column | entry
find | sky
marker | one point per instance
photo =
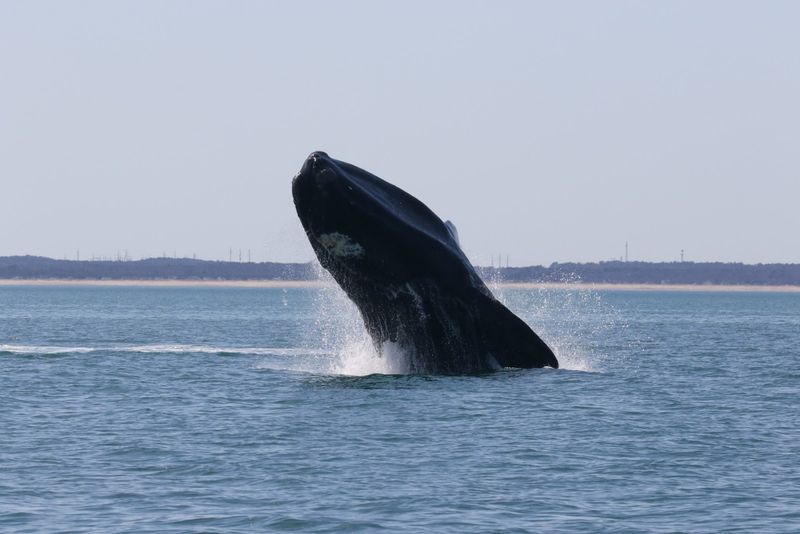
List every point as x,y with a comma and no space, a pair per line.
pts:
546,131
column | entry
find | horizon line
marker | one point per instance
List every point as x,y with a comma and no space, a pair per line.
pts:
127,259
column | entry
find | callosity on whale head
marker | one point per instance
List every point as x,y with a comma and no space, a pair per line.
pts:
403,268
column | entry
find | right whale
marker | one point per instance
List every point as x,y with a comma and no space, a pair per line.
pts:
403,268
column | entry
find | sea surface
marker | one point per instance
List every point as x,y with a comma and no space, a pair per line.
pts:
140,409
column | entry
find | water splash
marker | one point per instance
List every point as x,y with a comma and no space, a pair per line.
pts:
339,330
362,359
573,320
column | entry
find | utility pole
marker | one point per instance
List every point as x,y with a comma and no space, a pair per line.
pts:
626,252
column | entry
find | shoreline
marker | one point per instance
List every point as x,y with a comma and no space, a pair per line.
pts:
321,283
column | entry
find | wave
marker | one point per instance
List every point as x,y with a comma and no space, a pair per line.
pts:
163,348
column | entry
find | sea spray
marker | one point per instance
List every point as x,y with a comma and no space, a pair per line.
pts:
570,318
339,331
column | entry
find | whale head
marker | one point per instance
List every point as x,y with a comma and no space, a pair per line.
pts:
362,227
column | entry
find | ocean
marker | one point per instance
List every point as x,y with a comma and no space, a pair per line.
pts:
198,409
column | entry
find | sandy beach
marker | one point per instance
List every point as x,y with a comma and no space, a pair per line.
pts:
320,283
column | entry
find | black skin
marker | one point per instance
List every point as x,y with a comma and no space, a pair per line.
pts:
404,270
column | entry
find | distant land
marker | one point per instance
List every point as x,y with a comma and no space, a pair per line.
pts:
606,272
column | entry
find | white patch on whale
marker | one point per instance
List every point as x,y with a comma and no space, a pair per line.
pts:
340,245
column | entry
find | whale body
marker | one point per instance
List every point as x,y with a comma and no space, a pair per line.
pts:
405,271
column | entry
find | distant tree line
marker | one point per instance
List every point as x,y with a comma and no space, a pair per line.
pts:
35,267
609,272
639,272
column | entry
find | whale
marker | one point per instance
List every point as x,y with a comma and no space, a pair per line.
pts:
404,269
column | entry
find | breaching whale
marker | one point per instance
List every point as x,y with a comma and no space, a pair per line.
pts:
404,269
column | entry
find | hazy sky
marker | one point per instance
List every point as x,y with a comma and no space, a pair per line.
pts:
546,131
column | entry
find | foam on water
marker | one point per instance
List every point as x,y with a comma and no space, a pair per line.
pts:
44,349
159,348
361,359
204,349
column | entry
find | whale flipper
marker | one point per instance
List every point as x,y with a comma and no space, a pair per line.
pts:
511,341
453,231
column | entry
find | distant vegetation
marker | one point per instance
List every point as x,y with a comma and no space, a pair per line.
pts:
611,272
35,267
639,272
